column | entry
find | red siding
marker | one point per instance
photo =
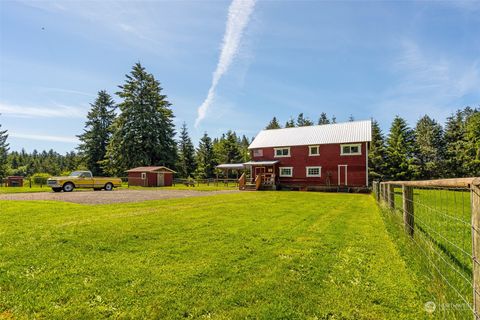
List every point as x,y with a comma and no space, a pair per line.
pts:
168,179
329,159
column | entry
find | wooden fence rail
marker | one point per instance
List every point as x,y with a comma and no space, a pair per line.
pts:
384,194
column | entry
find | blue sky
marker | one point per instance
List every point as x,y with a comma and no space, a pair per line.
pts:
369,59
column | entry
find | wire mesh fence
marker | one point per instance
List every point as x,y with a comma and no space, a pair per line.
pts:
441,221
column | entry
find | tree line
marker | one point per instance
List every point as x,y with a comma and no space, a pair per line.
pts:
138,131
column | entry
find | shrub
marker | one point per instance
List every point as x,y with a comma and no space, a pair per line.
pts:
40,178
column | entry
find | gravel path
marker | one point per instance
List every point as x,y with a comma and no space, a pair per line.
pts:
117,196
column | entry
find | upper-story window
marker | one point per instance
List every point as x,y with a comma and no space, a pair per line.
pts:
282,152
351,149
258,153
314,150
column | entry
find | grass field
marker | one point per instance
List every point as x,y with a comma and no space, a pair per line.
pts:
267,255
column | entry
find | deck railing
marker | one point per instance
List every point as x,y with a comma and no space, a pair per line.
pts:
442,220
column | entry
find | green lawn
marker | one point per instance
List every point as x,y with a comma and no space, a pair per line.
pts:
267,255
25,189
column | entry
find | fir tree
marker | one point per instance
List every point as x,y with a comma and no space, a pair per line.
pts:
323,119
273,124
302,121
290,123
144,131
3,152
244,143
334,119
186,154
429,148
351,118
376,154
205,158
459,157
473,143
97,132
399,152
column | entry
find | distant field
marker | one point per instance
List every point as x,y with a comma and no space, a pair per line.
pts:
266,255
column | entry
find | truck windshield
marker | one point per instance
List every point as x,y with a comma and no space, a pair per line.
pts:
79,174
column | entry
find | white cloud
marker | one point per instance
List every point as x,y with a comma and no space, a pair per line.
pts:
43,137
238,16
58,111
428,83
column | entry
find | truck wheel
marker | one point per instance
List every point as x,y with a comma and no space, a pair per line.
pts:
57,189
68,187
109,187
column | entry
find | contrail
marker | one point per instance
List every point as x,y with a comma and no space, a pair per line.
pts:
238,15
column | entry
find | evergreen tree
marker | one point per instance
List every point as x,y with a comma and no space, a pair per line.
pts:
244,143
205,158
376,154
334,119
3,153
473,143
143,133
323,119
290,123
97,132
429,148
460,152
227,149
351,118
273,124
186,154
302,121
399,152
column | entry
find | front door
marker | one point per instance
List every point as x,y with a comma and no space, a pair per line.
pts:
342,175
160,180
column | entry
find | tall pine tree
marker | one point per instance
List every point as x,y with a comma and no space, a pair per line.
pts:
376,154
205,158
97,132
323,119
302,121
473,143
290,123
3,153
273,124
186,165
399,152
144,131
429,148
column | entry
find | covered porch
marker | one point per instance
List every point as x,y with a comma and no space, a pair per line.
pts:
256,174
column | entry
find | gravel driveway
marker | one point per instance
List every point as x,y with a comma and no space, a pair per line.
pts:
117,196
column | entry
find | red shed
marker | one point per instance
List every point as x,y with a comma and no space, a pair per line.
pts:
15,181
150,176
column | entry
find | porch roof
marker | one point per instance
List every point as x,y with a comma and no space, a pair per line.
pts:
261,163
231,166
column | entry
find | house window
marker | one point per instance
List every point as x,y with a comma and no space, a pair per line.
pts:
144,176
286,171
258,153
314,171
313,151
282,152
350,149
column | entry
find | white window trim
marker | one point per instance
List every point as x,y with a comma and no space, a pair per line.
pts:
314,175
283,175
310,151
143,176
282,156
359,145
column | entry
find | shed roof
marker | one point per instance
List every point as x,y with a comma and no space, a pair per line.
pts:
261,163
151,169
345,132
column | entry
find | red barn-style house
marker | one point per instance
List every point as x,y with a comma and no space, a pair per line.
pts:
150,176
331,156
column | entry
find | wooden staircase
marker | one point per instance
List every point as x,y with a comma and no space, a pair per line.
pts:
260,182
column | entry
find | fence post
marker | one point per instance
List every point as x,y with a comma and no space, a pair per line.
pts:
408,210
391,196
475,200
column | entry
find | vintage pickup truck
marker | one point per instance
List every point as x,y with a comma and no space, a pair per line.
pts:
82,179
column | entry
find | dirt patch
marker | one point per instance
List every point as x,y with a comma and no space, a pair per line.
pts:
117,196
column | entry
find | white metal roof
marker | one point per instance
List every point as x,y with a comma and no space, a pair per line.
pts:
345,132
260,163
231,166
